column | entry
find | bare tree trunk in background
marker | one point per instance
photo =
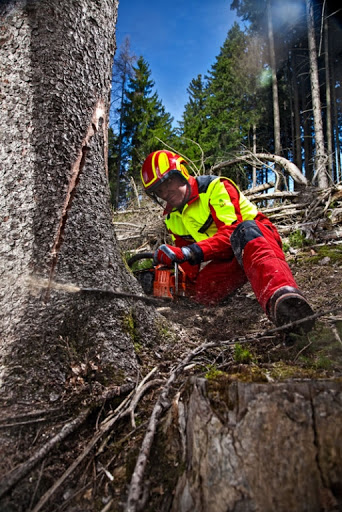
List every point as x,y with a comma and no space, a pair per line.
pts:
328,98
307,133
124,67
338,165
297,143
320,157
276,114
254,175
56,220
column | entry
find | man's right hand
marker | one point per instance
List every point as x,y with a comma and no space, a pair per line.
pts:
168,255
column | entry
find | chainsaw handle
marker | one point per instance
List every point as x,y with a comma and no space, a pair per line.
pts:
140,256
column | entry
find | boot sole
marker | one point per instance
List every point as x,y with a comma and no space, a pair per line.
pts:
291,308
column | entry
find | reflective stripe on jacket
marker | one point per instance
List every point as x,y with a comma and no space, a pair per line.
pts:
210,216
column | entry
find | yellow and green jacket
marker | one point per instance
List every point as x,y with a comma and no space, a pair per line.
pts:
212,212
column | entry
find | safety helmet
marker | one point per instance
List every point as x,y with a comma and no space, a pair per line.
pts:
159,166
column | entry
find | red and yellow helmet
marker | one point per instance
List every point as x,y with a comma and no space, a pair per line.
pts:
159,166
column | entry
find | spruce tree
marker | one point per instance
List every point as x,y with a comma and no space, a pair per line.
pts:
194,120
232,101
145,119
122,71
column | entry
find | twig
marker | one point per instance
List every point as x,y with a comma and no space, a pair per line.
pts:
19,423
135,500
140,390
302,350
107,507
37,484
336,333
130,411
31,414
18,473
79,459
105,426
302,320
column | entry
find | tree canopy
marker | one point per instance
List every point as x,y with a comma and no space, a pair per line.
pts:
259,95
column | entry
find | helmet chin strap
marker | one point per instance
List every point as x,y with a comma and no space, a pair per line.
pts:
156,199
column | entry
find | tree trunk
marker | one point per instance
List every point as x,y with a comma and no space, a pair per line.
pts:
55,210
246,446
307,129
297,143
328,99
338,164
254,173
321,157
276,114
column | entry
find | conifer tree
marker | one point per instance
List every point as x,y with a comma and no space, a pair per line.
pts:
145,119
194,120
122,71
231,106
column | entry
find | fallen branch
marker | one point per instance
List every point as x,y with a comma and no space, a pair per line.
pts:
258,188
253,158
275,195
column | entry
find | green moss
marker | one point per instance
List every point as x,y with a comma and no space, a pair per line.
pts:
286,247
326,251
299,240
164,330
129,326
137,347
213,372
242,355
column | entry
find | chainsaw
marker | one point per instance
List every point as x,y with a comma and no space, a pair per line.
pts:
159,280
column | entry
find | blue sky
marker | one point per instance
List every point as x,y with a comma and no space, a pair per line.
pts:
178,38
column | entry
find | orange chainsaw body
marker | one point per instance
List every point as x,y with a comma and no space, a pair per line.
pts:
160,281
165,285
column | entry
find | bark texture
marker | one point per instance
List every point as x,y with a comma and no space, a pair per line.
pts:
260,447
56,60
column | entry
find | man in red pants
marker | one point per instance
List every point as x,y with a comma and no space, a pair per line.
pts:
210,220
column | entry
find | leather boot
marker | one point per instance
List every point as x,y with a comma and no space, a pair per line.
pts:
288,305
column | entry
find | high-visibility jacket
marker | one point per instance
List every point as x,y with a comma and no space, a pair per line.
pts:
210,216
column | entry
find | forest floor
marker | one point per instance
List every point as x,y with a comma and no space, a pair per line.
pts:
246,349
240,319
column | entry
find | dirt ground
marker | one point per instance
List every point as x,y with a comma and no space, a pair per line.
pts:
240,318
249,351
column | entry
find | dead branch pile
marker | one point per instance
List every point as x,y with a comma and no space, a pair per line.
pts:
314,212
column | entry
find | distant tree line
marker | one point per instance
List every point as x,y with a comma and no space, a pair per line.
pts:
275,86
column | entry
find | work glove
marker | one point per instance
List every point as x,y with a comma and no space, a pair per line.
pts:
168,254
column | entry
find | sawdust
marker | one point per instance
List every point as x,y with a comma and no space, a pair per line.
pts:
36,284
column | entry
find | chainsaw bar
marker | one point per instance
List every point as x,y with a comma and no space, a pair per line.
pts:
118,294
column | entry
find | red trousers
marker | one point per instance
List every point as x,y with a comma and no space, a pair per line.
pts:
263,265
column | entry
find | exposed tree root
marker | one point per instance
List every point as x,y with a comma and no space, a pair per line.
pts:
126,408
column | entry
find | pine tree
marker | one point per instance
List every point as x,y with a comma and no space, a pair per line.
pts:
122,71
145,119
232,102
194,120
